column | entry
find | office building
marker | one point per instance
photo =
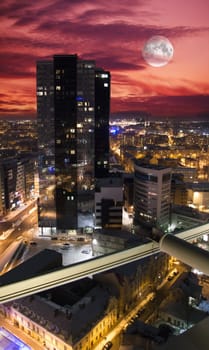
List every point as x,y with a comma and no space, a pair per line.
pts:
66,100
179,191
102,111
109,203
46,142
152,186
17,182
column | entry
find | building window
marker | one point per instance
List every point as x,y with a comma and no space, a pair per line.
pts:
104,76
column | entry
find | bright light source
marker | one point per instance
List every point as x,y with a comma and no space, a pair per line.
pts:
205,238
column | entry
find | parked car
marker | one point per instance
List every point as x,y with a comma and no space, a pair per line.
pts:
33,242
66,246
170,277
85,251
107,346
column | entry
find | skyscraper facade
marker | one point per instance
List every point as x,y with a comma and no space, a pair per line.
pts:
46,144
102,111
66,96
152,188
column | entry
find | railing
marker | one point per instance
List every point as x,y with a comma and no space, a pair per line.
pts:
80,270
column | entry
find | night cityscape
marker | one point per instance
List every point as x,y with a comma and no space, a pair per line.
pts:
104,175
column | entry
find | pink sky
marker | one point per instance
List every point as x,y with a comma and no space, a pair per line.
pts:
113,34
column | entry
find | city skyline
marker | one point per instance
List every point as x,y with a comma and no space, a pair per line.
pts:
113,36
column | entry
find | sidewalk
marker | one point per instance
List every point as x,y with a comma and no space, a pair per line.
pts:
118,328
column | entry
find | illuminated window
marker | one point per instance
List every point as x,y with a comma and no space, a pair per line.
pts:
104,76
89,66
106,85
58,88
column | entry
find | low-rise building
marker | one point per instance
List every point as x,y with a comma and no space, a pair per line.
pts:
112,240
71,317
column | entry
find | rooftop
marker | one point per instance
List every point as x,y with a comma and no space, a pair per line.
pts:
70,321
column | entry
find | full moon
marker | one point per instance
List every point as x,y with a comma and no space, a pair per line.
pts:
158,51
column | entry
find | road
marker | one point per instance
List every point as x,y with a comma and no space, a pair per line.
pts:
13,255
125,320
144,310
23,223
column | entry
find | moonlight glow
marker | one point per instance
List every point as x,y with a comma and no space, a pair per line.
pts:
157,51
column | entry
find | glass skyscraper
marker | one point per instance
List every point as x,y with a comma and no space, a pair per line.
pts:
69,97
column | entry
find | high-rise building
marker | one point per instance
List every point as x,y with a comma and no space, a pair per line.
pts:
17,182
46,144
152,187
102,111
67,93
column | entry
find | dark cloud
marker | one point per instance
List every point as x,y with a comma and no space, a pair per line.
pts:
116,60
165,105
14,8
18,65
112,34
118,32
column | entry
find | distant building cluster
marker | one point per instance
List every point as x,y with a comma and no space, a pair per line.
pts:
18,164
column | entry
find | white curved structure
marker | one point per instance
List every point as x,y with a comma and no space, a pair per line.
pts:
172,245
186,252
22,288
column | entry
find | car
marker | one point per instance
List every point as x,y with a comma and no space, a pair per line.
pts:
85,251
66,246
33,242
170,277
107,346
